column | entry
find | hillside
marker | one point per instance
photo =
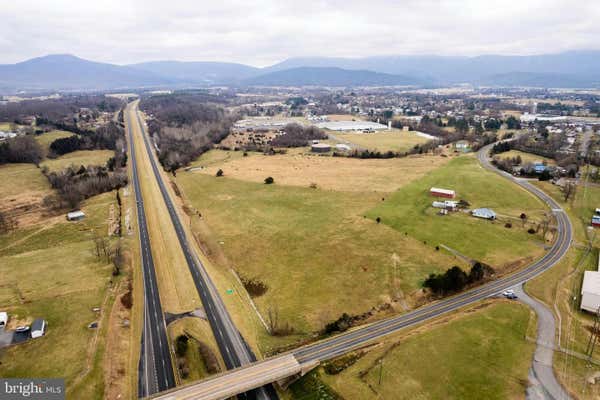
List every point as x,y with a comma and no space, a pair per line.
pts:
199,72
550,69
330,76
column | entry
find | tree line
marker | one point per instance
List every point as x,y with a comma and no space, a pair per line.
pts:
184,126
21,149
296,135
77,184
455,279
61,109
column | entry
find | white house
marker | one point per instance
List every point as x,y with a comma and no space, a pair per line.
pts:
590,290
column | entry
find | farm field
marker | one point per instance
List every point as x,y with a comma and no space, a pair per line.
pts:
526,157
50,271
478,353
47,138
78,158
331,173
291,237
409,210
396,140
22,190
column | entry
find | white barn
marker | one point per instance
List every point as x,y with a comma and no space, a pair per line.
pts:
590,290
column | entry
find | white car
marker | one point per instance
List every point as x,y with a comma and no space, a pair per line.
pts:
508,293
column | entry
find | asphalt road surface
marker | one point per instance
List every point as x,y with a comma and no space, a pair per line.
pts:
333,347
232,347
346,342
155,367
543,373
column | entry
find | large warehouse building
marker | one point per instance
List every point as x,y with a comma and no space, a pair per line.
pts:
341,126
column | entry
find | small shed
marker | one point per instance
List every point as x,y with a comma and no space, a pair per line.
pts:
439,192
320,148
38,328
75,215
3,319
484,213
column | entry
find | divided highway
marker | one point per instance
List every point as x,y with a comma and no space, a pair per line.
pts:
310,355
155,367
234,350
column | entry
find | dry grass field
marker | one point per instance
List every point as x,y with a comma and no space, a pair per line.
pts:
395,140
478,353
51,272
47,138
330,173
315,250
78,158
22,189
526,157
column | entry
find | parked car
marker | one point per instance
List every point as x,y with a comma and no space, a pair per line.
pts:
22,329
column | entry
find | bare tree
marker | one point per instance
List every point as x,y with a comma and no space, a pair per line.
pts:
569,190
118,259
273,318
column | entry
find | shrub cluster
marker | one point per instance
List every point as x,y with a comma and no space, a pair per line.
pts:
455,279
297,135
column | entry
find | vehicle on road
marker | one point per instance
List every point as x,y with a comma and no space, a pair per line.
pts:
508,292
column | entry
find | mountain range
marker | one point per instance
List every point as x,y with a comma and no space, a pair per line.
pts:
67,72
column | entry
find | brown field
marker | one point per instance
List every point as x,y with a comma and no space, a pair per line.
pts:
334,173
22,189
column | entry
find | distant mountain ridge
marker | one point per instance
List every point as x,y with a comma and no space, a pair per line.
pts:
581,67
199,71
330,76
67,72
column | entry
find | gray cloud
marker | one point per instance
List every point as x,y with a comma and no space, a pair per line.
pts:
266,31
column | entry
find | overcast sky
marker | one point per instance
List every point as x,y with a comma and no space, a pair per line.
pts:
262,32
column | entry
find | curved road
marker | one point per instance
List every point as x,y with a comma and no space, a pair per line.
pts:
326,349
343,343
